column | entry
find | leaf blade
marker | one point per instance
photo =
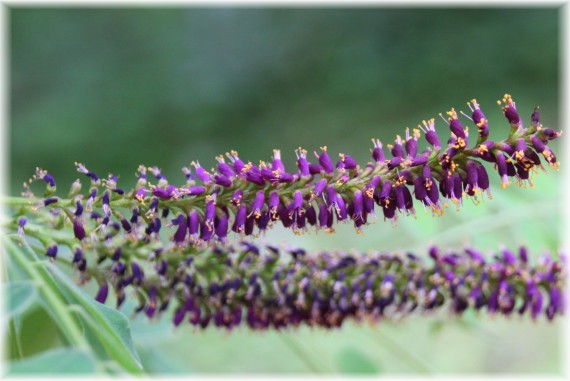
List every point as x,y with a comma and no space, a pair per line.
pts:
55,361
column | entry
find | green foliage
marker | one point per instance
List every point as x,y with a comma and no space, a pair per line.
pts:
77,314
21,296
352,360
55,361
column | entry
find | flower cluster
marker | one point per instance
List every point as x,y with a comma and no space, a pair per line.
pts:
119,237
265,286
246,198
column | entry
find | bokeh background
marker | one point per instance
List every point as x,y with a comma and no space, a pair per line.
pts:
115,88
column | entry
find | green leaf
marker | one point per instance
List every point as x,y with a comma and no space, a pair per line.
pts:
24,257
56,361
352,360
157,362
21,296
111,326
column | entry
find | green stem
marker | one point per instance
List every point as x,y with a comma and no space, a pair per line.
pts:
15,341
65,320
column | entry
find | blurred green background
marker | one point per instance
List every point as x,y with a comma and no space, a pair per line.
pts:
115,88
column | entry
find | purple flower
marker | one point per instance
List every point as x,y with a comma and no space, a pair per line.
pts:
51,251
325,160
78,229
510,111
224,168
101,296
22,221
302,162
201,173
479,119
81,169
50,200
430,134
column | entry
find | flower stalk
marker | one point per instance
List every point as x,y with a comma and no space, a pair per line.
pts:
171,244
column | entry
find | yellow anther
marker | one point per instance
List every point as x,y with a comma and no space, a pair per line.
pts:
417,133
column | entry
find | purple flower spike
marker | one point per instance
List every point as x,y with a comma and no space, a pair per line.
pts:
247,197
102,293
325,289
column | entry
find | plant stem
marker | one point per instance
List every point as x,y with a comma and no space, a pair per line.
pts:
65,320
15,342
